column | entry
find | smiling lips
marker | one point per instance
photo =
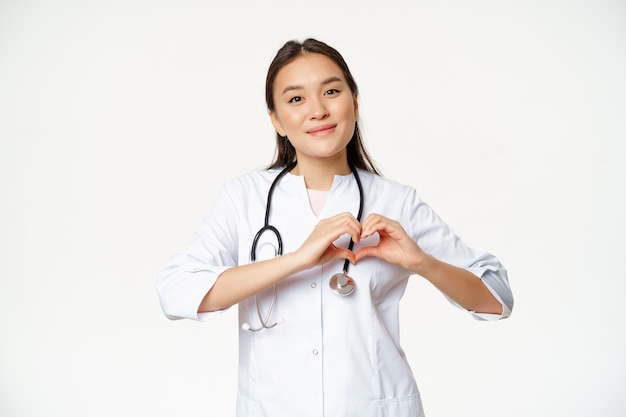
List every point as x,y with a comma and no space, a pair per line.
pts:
322,130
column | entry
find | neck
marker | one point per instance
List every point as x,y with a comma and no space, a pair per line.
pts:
320,174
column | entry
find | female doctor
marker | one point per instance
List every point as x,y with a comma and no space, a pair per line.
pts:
316,251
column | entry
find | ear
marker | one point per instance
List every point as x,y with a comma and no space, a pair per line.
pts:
277,124
356,106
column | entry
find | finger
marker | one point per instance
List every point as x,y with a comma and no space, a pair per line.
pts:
365,252
343,253
346,223
382,225
353,228
374,223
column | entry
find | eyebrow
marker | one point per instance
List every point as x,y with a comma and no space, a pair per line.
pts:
299,87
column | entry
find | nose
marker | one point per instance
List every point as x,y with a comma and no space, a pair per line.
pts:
318,109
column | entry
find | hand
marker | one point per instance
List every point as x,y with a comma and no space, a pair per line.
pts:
318,248
394,246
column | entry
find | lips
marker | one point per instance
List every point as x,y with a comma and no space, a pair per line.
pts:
322,129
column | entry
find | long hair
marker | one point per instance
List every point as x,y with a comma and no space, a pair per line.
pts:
285,152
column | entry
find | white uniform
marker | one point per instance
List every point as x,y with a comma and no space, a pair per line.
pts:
333,356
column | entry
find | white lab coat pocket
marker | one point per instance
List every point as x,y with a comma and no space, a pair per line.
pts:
409,406
249,408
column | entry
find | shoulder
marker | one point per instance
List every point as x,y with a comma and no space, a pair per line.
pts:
378,184
244,188
251,180
390,198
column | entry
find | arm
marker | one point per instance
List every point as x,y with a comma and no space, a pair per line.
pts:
395,246
465,288
240,282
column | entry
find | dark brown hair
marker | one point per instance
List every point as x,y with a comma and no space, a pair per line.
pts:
285,152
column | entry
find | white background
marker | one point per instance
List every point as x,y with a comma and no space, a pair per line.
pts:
119,120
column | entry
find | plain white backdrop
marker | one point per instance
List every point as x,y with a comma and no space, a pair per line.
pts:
119,121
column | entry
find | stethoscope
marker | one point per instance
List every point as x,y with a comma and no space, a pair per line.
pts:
341,283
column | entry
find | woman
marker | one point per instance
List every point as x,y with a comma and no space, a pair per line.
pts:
304,350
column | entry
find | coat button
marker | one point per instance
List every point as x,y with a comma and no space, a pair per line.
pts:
315,352
314,284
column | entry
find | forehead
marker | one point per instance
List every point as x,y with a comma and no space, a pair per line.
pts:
309,69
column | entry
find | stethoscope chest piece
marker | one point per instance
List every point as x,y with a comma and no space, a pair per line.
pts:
342,284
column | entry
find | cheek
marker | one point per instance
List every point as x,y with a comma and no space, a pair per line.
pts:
347,110
290,119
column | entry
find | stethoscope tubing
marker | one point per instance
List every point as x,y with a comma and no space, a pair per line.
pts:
346,264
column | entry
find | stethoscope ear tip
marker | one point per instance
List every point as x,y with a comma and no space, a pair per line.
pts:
245,326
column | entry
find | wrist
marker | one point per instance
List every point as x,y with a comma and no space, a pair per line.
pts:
293,262
425,265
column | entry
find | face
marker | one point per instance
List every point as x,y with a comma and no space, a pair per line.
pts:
314,108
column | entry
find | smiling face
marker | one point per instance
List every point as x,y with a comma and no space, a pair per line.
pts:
315,108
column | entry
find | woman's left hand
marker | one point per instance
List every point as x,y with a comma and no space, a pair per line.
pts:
395,245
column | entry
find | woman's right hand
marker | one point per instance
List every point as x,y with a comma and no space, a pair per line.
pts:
241,282
318,248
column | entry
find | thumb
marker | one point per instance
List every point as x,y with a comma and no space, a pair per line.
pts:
366,251
343,253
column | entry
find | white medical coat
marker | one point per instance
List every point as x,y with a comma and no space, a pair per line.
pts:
333,356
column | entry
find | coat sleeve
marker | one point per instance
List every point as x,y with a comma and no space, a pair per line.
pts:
437,239
190,274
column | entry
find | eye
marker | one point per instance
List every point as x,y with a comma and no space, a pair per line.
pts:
331,92
295,99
